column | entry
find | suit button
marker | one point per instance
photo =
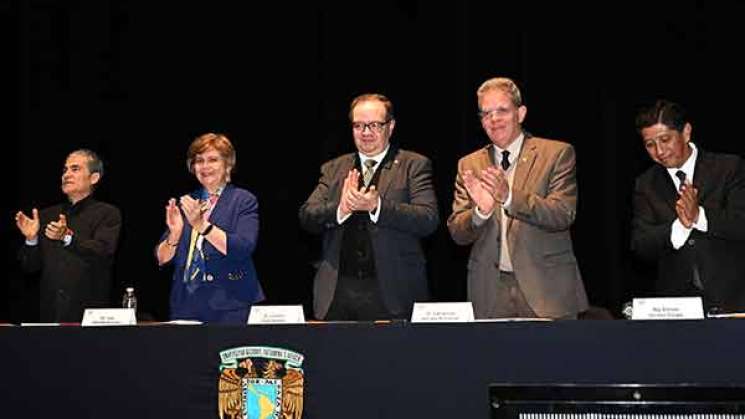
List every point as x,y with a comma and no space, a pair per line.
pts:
210,277
691,242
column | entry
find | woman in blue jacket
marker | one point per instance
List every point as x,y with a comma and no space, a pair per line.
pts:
211,236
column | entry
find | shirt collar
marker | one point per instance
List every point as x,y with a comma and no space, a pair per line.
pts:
378,157
70,207
689,166
513,148
206,195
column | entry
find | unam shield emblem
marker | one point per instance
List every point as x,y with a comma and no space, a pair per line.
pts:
260,382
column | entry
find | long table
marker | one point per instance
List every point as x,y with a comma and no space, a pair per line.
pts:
352,370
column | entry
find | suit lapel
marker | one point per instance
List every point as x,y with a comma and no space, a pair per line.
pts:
388,170
525,162
702,175
665,187
487,154
486,159
218,213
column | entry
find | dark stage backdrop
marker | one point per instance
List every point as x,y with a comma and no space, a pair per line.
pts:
136,81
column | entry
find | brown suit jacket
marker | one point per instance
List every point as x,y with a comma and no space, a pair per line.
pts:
544,202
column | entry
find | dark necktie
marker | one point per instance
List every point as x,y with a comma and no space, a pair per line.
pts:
368,175
696,280
505,160
681,175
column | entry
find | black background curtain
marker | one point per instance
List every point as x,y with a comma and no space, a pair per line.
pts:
137,81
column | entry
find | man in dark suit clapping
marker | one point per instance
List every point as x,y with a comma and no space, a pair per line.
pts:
689,212
372,207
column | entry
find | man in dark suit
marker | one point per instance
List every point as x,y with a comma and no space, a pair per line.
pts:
515,201
372,207
75,251
689,213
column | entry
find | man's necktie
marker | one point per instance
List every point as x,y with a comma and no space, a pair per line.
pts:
696,280
505,160
681,175
368,175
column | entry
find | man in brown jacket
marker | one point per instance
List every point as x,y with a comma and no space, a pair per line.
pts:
515,201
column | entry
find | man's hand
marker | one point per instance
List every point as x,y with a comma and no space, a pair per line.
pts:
29,227
479,191
56,230
496,179
367,199
687,205
348,203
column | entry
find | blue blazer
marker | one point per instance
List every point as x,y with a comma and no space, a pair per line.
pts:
236,213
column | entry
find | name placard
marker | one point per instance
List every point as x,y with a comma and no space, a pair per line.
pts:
109,317
669,308
39,324
276,315
442,313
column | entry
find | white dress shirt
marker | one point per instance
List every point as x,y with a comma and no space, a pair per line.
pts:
679,233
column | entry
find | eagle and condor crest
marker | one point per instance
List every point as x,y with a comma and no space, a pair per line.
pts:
260,382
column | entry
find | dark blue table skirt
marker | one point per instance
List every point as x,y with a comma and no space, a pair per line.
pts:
352,370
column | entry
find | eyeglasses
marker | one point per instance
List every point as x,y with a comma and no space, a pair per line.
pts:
375,126
498,112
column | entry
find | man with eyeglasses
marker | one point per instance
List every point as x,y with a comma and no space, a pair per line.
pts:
372,208
689,213
515,201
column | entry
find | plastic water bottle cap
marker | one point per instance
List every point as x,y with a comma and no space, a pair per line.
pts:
130,289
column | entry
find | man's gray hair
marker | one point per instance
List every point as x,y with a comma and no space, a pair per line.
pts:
95,164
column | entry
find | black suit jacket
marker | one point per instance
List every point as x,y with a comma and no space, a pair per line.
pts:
77,276
408,212
718,254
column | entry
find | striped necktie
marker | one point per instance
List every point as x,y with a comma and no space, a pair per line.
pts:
197,267
369,171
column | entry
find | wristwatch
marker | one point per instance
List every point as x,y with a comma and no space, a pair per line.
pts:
207,230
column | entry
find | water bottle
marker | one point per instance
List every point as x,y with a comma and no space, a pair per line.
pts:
628,310
129,300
